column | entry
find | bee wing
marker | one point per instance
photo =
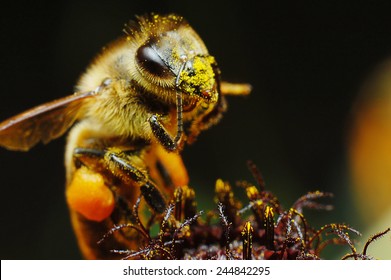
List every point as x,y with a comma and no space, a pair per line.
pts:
42,123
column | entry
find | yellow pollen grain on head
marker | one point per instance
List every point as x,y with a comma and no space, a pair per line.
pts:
201,76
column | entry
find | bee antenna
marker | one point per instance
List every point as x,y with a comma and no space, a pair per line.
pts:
177,83
179,103
179,108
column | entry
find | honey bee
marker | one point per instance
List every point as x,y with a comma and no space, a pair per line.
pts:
137,104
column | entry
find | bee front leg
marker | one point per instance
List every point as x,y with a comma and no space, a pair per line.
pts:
118,165
162,135
170,143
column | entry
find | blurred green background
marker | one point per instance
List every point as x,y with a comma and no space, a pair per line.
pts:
306,61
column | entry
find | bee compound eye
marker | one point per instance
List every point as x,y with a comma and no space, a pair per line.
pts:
150,61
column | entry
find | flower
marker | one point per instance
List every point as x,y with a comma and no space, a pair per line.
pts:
228,232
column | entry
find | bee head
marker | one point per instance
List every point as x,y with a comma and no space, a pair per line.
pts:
173,57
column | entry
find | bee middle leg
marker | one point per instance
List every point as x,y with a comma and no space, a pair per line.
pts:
118,164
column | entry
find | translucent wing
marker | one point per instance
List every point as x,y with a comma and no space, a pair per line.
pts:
42,123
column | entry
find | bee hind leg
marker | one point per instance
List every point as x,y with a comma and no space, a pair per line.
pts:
118,164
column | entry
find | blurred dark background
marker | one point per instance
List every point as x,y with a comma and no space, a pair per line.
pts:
306,61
